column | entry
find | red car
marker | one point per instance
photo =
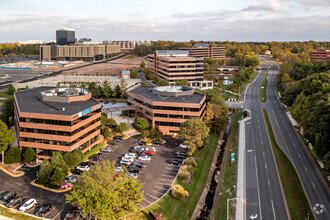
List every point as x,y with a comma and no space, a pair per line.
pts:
151,152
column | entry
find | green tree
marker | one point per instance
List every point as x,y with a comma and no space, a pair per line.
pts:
58,176
141,123
29,155
105,132
6,138
122,127
206,66
13,155
220,111
73,159
117,91
106,194
11,90
182,82
91,86
163,82
193,132
7,114
123,87
143,64
134,74
209,114
107,90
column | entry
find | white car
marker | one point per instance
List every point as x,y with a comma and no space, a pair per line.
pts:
145,158
130,156
83,167
134,175
152,148
125,161
184,146
27,205
119,169
106,149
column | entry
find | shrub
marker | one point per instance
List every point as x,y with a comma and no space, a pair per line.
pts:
105,132
189,168
191,161
13,155
184,175
179,192
29,155
74,158
123,127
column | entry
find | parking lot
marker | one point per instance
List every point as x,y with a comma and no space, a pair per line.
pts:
157,177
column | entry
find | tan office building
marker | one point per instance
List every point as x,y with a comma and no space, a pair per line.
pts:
205,51
320,55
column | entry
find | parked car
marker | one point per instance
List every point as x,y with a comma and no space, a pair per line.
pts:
119,138
21,203
144,154
28,205
6,198
99,155
141,142
174,162
130,155
14,201
134,175
3,194
83,167
125,162
107,149
156,142
96,157
152,148
130,159
144,158
43,210
179,156
180,153
114,142
183,146
77,172
149,152
70,179
139,164
133,169
119,169
73,214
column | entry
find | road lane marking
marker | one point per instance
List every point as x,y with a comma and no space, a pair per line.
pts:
294,144
305,168
260,134
161,187
289,135
299,155
268,183
50,212
255,161
266,166
263,153
262,142
146,200
164,175
313,185
273,210
58,213
154,197
157,192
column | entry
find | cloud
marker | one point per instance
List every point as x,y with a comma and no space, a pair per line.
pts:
314,3
265,5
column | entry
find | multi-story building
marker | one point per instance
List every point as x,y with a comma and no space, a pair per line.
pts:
65,36
30,42
320,55
173,65
205,51
77,52
166,107
52,119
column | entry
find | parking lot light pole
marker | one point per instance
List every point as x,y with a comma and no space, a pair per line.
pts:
228,206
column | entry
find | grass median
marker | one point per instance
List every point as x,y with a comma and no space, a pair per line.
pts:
15,214
175,209
296,199
263,89
228,181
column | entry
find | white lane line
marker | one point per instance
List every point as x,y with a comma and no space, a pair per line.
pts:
268,183
313,185
289,135
50,212
161,187
141,206
154,197
255,161
260,134
262,142
146,200
299,155
263,153
157,192
259,126
163,184
305,168
170,171
273,210
266,166
164,175
165,179
58,213
294,144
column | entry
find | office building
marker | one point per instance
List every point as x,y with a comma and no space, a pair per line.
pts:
77,52
65,36
173,65
166,107
320,55
50,119
205,51
30,42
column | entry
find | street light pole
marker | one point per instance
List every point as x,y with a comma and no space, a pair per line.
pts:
228,206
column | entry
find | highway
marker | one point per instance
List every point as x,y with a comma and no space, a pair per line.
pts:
264,197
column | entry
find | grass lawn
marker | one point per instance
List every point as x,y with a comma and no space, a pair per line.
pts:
8,213
296,199
4,95
175,209
263,89
228,182
231,96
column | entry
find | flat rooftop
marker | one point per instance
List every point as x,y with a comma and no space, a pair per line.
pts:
29,101
147,93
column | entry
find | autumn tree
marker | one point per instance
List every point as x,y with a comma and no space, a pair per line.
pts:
182,82
6,138
220,111
106,194
209,114
141,123
122,127
11,90
142,64
193,132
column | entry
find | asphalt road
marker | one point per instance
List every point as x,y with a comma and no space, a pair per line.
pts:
259,173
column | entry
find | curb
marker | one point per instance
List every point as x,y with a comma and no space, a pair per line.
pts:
51,190
11,174
18,212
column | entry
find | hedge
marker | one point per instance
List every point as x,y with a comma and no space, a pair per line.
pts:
13,155
179,192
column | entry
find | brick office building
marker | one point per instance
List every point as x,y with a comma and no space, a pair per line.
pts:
57,119
166,107
205,51
320,55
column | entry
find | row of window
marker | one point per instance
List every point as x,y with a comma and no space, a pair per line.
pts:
55,142
190,80
189,75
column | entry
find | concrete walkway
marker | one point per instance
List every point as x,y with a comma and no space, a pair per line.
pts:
241,174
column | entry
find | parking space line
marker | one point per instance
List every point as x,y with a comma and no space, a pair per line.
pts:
58,214
166,179
163,184
157,192
170,171
146,200
162,187
141,206
49,212
152,196
165,175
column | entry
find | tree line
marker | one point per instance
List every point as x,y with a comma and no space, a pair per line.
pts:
18,49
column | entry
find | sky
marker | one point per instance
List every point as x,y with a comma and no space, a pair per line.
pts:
177,20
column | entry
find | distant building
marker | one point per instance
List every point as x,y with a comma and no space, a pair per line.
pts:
126,45
173,65
267,52
77,52
320,55
84,40
125,74
205,51
166,107
65,36
30,42
50,119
